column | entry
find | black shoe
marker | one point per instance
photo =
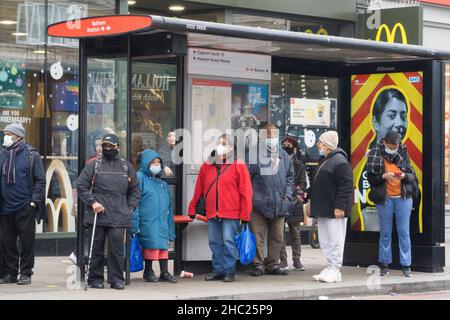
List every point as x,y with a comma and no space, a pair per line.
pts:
167,277
150,277
257,272
284,265
97,285
228,278
8,280
278,272
24,280
118,286
297,265
406,272
213,277
384,270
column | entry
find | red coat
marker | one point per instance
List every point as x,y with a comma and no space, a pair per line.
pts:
233,189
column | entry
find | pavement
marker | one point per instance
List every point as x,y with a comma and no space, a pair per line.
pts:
54,280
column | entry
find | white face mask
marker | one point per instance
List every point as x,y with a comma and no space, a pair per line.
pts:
221,150
389,151
272,143
8,141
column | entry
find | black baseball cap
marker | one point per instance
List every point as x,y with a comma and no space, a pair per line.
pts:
111,139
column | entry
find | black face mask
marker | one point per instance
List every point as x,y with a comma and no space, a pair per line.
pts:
289,150
110,154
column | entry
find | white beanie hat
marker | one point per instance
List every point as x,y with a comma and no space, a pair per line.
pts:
330,139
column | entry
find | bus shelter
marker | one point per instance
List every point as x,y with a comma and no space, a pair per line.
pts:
142,77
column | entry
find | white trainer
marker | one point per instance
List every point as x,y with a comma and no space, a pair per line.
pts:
321,274
332,276
73,258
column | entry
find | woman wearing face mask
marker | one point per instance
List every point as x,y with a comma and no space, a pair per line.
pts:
153,219
225,183
331,202
393,185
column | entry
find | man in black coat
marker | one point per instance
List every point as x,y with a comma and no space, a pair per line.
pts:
114,196
22,203
331,202
290,145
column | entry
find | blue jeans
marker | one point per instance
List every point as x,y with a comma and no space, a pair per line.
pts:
402,208
221,234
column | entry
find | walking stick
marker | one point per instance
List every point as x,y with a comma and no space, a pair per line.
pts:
90,253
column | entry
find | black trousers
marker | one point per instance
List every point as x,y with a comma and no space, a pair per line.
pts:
116,254
18,230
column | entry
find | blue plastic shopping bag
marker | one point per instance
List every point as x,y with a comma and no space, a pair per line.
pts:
136,258
246,245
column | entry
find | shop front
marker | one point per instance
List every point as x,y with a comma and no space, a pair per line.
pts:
173,85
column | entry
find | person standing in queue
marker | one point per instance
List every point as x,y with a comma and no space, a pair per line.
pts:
290,145
153,219
225,183
331,197
273,195
110,188
393,185
22,204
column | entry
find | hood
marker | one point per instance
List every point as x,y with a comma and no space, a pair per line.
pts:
338,151
146,158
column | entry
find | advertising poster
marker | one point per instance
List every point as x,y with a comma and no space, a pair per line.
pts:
12,80
249,105
380,103
310,112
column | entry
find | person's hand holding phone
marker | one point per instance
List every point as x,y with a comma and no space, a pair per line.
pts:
400,175
389,176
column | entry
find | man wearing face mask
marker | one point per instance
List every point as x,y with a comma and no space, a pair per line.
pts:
114,196
290,145
331,196
273,194
22,200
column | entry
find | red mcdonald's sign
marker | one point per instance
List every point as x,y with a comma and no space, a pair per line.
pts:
99,26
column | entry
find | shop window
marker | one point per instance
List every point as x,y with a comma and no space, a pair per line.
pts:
154,105
315,96
106,103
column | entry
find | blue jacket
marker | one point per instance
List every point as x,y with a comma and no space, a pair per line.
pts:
273,189
153,218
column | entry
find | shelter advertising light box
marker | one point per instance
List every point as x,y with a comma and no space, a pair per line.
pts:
380,103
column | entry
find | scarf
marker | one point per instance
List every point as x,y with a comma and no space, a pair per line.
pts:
9,165
376,156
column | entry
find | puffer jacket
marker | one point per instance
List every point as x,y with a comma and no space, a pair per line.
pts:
153,218
273,189
117,191
332,186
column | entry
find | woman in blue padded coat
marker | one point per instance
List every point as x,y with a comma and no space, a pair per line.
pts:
153,220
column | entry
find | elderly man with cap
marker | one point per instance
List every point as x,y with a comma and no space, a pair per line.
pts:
110,188
22,201
331,196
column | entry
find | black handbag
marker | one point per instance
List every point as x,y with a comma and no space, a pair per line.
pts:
200,209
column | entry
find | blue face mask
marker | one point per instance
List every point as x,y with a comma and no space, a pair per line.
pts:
322,152
155,169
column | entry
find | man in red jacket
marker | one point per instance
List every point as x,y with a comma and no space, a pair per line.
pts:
224,182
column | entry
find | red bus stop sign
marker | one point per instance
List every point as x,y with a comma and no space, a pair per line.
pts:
99,26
